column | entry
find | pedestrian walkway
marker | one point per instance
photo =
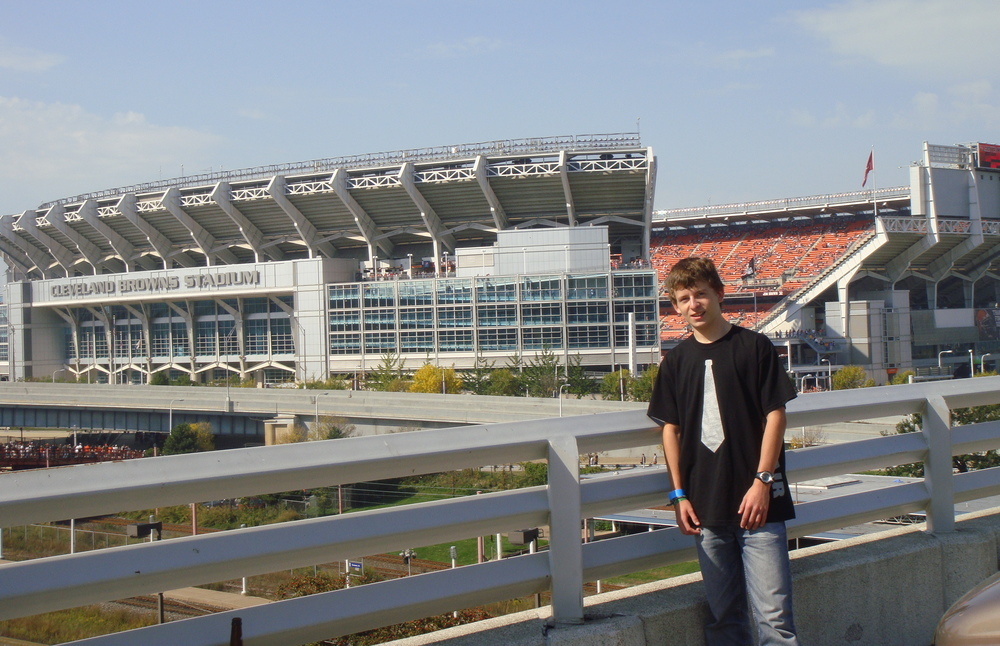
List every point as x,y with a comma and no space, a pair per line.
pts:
215,598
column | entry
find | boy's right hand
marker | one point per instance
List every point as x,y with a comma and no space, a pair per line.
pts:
687,520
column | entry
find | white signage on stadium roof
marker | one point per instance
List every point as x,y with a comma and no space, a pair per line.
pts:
155,284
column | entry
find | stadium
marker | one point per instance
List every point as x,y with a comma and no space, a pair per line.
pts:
477,253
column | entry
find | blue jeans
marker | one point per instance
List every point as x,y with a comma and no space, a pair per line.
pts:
744,568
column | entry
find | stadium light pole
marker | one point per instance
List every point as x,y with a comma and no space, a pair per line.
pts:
941,354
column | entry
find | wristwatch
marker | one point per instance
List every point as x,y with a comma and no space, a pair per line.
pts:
764,476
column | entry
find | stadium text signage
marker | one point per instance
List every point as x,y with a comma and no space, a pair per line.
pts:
123,285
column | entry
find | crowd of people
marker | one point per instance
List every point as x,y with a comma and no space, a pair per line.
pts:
22,451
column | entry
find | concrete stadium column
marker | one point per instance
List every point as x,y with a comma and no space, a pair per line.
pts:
931,288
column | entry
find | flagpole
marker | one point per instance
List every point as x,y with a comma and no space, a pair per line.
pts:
874,184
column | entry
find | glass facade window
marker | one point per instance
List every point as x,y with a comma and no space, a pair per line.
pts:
204,338
644,311
496,290
276,303
416,292
229,343
160,340
455,317
345,344
379,294
591,336
179,339
584,287
204,308
455,340
541,288
541,314
255,306
454,290
539,338
380,319
498,339
380,342
344,297
416,342
345,321
417,318
635,285
281,336
256,331
592,312
497,315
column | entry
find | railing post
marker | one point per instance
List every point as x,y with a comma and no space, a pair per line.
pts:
938,466
565,549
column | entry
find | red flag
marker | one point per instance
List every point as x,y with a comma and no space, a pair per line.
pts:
869,167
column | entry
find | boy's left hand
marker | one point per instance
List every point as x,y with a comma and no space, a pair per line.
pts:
753,509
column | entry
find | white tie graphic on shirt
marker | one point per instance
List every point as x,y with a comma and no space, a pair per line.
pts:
711,421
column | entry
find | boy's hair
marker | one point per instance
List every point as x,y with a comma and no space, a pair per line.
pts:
687,272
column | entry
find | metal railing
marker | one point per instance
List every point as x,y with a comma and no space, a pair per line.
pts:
788,204
526,146
47,584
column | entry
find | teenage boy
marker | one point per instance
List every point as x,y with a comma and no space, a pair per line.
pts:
720,396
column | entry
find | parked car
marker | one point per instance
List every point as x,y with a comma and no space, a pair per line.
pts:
973,620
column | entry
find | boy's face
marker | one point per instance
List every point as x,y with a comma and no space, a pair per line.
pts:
701,307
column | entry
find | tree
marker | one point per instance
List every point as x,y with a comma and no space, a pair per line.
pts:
580,383
388,375
901,378
504,383
642,387
189,438
958,417
616,385
159,379
850,377
477,380
434,379
330,427
541,375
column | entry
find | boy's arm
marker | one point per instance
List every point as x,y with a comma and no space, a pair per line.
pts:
687,520
757,500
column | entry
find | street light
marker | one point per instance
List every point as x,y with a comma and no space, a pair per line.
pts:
54,372
561,398
940,354
982,362
829,373
170,416
972,364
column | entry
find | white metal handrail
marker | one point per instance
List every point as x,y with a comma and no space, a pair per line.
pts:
31,587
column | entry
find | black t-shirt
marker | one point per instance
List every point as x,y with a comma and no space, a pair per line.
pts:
750,382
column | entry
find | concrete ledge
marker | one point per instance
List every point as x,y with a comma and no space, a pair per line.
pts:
889,588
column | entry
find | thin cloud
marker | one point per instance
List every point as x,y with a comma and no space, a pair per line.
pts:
472,46
23,59
53,150
928,37
738,57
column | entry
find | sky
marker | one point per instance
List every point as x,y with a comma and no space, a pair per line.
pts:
740,101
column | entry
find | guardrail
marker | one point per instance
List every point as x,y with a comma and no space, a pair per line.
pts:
42,585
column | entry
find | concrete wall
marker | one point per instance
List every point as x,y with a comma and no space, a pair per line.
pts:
889,588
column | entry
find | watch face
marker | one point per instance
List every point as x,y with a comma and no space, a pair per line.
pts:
765,477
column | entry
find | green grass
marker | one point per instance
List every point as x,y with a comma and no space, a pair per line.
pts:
656,574
76,623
